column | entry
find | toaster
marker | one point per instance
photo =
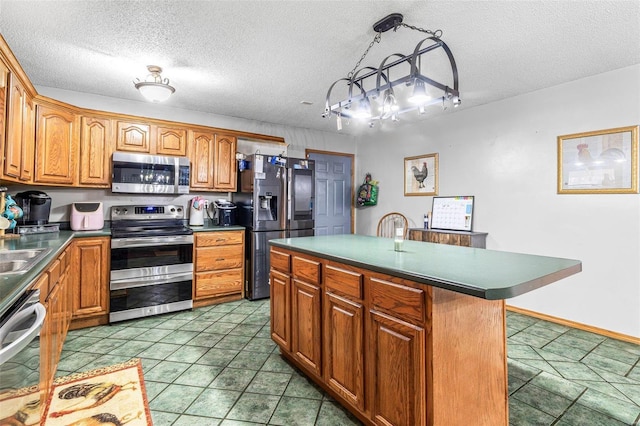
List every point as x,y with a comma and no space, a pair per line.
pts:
86,216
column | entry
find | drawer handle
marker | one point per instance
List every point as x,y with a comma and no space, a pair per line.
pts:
220,259
220,240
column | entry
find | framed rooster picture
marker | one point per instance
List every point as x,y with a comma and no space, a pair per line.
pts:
421,175
599,162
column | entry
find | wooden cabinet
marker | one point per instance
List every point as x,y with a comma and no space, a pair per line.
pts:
134,137
201,156
344,347
225,171
18,148
394,351
170,140
55,296
4,88
56,145
306,314
219,267
456,238
96,147
90,283
280,297
397,346
150,138
213,161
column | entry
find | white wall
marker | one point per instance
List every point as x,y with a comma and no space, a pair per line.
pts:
296,139
505,154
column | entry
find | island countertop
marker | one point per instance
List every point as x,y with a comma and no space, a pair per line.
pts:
488,274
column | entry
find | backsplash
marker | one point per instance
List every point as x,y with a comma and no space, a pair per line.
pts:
62,198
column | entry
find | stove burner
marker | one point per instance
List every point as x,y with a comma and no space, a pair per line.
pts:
148,221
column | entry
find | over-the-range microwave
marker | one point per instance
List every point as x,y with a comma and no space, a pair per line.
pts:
144,174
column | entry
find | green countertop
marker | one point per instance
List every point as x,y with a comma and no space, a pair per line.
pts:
12,286
487,274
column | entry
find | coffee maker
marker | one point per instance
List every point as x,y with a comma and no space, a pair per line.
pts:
225,212
36,206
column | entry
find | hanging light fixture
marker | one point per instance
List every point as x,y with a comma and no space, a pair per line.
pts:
377,83
154,88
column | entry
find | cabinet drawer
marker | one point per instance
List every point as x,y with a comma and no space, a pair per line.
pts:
220,238
280,261
217,258
218,283
403,302
306,269
343,281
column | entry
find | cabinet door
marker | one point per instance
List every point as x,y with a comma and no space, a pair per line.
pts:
171,141
28,140
344,348
56,146
4,88
91,292
15,119
280,292
398,376
201,155
133,137
306,335
225,171
95,151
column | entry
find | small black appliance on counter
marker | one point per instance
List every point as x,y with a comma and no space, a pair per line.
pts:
225,213
36,206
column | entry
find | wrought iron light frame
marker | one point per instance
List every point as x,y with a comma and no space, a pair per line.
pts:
358,105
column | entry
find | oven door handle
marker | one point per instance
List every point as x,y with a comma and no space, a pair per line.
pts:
147,281
151,241
13,348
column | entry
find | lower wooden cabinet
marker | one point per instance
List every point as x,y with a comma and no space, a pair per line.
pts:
55,296
398,379
344,347
90,282
305,319
393,351
219,267
280,300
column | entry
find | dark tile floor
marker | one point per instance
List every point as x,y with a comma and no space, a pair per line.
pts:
218,366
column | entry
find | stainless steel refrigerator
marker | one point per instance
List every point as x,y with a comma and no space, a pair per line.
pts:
275,201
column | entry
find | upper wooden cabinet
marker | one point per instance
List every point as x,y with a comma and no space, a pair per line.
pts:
133,137
225,171
4,85
170,140
56,145
213,161
201,155
95,151
18,148
151,138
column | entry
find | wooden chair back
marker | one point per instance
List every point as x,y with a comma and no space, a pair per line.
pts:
387,224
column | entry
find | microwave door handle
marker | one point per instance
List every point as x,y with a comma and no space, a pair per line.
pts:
27,336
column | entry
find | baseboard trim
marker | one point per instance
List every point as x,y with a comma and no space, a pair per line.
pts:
601,331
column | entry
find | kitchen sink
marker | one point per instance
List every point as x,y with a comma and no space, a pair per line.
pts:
20,261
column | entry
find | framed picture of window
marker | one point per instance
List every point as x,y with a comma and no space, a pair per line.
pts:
599,162
421,175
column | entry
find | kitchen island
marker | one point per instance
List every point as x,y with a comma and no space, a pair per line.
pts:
415,337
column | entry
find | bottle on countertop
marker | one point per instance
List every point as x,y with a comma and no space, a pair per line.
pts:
426,221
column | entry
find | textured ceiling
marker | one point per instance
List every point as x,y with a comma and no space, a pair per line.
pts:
260,59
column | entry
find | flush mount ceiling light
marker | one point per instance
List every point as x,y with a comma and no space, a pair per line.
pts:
154,88
368,85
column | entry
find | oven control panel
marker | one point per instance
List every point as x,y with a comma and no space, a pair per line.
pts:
134,212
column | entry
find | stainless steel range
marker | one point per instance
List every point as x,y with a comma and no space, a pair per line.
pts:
151,261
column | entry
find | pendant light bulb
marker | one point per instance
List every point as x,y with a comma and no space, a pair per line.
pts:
420,95
364,109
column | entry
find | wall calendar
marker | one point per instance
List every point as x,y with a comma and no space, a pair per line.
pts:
452,213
